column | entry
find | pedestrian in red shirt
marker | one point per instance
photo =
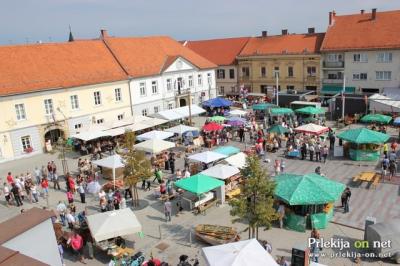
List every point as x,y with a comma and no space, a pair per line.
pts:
76,242
45,187
10,178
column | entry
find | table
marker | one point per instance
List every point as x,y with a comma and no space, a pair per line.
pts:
365,176
233,193
119,252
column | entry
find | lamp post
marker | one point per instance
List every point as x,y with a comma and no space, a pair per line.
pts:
277,88
343,99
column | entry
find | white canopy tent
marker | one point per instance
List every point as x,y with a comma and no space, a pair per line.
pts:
312,129
154,122
112,224
116,131
242,253
381,103
155,134
237,112
90,135
154,145
113,162
180,112
221,171
238,160
207,157
170,115
180,129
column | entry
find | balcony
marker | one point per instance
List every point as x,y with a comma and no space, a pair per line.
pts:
338,64
332,81
182,92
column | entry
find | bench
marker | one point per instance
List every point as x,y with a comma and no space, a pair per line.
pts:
202,208
376,181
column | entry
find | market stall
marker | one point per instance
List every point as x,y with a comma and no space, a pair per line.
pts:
206,157
181,129
201,192
155,134
308,199
376,118
241,253
237,112
217,103
236,121
230,175
217,119
363,144
115,163
154,146
106,227
238,160
311,113
311,129
227,150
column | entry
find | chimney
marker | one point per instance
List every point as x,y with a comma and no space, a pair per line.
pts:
311,30
104,34
285,32
374,13
330,18
264,33
362,11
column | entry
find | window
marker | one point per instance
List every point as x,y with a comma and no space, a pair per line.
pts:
311,71
118,96
362,58
221,73
384,57
199,79
263,72
334,58
246,72
100,121
144,112
190,81
26,142
209,78
290,71
290,88
264,88
359,76
383,75
74,102
142,87
120,117
169,84
20,111
275,73
48,106
154,87
221,90
97,98
78,126
170,106
231,73
156,109
233,89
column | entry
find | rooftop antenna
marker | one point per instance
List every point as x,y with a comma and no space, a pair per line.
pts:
71,37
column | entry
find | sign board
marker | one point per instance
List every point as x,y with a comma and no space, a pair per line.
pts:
338,151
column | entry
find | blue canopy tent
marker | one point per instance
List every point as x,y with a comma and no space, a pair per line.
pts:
217,102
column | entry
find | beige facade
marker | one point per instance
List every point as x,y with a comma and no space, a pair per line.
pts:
227,79
296,72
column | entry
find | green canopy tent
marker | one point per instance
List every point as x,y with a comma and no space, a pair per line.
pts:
364,143
310,110
218,119
227,150
198,184
308,194
281,111
263,106
278,129
376,118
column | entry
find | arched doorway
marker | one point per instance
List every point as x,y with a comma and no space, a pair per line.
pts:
182,102
53,135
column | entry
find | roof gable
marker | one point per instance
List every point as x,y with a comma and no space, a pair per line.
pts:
177,63
361,32
221,52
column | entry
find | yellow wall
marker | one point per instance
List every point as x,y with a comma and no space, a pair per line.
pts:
299,63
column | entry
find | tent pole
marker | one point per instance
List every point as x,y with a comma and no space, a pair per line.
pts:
113,172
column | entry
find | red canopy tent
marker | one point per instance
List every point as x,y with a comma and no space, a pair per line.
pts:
212,127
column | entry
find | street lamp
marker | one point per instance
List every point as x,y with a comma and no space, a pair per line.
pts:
343,99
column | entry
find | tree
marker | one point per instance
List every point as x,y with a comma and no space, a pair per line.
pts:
137,166
255,202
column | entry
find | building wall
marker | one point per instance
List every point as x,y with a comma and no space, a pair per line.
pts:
39,243
300,79
227,85
37,123
370,67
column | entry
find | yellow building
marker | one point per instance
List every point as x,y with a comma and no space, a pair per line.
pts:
294,58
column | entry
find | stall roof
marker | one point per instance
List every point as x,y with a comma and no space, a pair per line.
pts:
154,145
155,134
207,157
111,224
217,102
311,129
227,150
363,136
221,171
199,183
90,135
381,103
180,112
238,160
180,129
113,162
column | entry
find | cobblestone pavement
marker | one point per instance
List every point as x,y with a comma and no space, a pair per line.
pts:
382,203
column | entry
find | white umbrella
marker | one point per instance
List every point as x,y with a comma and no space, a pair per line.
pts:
154,145
237,112
93,187
111,224
180,129
155,134
312,129
89,135
113,162
221,171
242,253
207,157
238,160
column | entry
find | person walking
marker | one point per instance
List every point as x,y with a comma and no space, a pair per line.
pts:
281,213
345,199
62,209
55,181
16,193
49,171
70,197
45,187
385,167
283,166
325,152
392,169
303,150
38,175
7,194
172,162
76,242
81,192
34,192
318,149
167,210
385,149
311,150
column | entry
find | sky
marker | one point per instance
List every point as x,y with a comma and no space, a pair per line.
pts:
23,21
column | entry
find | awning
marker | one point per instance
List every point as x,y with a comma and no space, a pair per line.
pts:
155,134
221,171
331,89
238,160
381,103
154,145
199,183
90,135
180,129
180,112
227,150
207,157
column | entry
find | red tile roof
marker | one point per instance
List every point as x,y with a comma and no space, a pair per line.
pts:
28,68
146,56
221,52
283,44
361,32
